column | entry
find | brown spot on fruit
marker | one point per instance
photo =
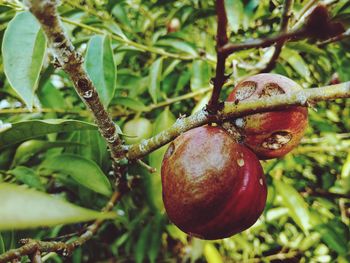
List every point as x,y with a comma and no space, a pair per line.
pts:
271,89
212,185
261,132
170,150
246,90
277,140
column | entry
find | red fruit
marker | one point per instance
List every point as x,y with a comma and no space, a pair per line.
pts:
275,133
213,187
173,25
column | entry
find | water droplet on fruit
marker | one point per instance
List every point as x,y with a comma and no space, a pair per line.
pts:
87,94
240,162
261,181
240,122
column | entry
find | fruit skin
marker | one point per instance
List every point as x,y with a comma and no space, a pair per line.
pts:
213,187
272,134
139,128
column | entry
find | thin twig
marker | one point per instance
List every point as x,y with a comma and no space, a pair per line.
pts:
33,246
229,48
233,110
287,13
221,40
72,63
339,37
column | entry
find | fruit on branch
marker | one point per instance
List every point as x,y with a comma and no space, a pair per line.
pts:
271,134
213,187
136,130
173,25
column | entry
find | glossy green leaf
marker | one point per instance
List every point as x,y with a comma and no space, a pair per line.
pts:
84,171
297,62
298,208
27,176
131,103
89,144
50,97
27,208
24,130
179,45
155,78
234,11
100,65
200,75
23,50
32,147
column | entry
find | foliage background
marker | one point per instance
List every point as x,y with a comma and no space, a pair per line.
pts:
144,71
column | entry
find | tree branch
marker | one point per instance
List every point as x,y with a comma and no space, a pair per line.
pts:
221,40
31,246
232,110
229,48
287,12
72,63
339,37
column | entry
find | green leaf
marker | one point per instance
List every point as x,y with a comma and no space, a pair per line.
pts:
50,97
100,65
27,208
332,238
32,147
142,244
153,181
179,45
298,208
345,171
305,47
24,130
156,237
155,78
201,104
131,103
23,50
235,11
27,176
89,144
297,62
82,170
2,245
200,75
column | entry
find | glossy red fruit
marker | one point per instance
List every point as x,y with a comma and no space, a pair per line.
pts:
275,133
213,187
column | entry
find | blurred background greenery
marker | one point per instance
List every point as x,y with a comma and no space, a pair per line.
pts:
153,62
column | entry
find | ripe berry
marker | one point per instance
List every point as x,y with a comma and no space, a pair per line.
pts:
275,133
213,187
